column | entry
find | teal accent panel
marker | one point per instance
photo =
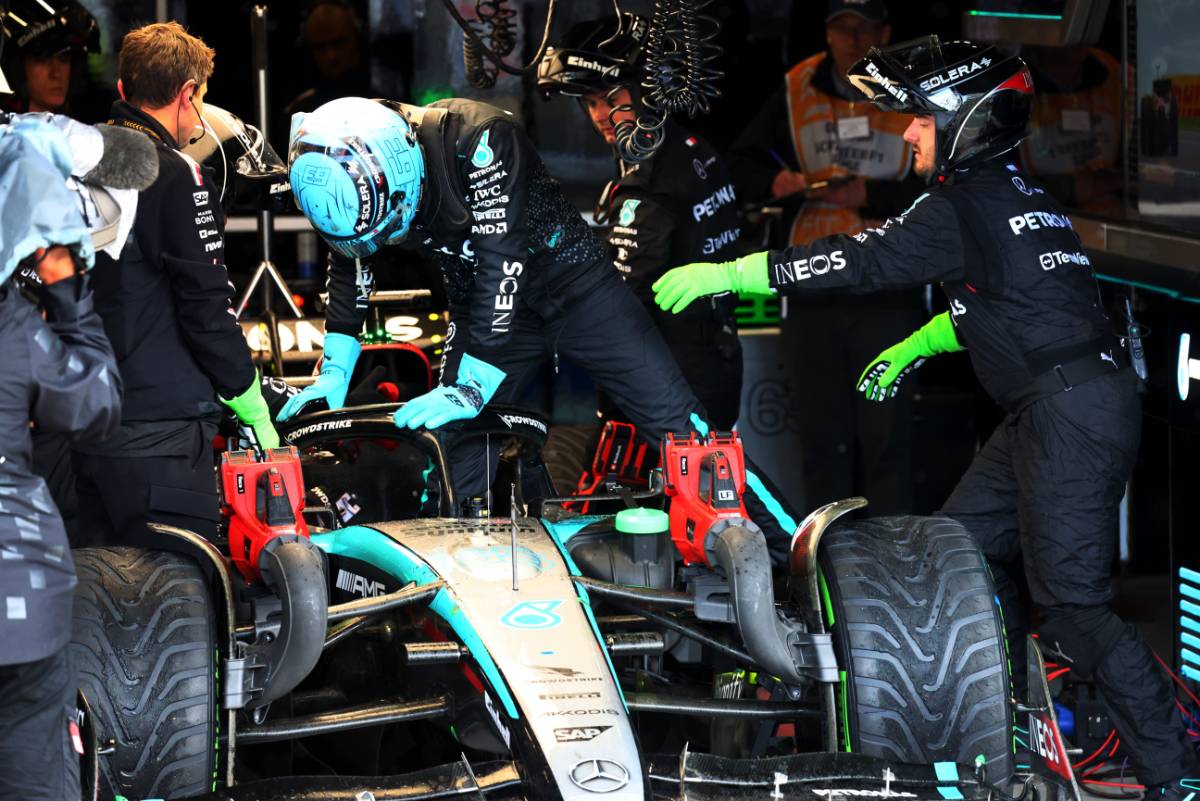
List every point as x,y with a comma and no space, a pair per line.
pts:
774,508
786,522
369,545
952,793
946,771
584,600
586,603
562,548
563,530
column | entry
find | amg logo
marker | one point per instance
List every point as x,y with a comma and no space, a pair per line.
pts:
357,585
588,64
580,734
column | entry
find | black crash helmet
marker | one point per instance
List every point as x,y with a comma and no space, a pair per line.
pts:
595,56
44,29
979,96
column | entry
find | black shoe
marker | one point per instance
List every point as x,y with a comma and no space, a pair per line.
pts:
1178,790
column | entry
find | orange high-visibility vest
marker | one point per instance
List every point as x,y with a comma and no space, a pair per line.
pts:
1077,132
822,153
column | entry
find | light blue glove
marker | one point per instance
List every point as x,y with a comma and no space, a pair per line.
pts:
477,383
331,386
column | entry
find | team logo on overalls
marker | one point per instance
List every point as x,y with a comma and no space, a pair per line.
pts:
483,154
628,210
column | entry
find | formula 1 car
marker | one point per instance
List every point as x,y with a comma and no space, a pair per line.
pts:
376,637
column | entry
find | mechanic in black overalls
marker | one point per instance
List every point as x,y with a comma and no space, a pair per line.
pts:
1045,489
60,376
676,207
525,276
166,308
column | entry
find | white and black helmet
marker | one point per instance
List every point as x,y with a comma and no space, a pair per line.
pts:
979,96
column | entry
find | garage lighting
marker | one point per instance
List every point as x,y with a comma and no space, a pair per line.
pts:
1014,15
1189,642
1189,368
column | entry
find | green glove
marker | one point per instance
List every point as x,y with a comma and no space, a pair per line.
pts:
881,380
675,291
251,409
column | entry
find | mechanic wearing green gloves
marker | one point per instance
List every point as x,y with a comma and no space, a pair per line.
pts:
1043,493
881,380
165,304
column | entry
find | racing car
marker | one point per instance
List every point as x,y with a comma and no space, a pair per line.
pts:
361,632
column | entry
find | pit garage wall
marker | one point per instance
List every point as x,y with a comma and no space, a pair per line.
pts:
1166,487
1163,271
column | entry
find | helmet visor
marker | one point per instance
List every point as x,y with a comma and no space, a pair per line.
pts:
891,78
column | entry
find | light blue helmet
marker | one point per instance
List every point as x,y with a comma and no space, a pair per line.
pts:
356,173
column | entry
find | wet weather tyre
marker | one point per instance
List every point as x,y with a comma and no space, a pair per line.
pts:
918,634
143,641
566,452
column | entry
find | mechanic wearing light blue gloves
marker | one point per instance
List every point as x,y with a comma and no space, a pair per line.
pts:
477,383
331,386
460,181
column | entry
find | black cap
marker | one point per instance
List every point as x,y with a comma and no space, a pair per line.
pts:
870,10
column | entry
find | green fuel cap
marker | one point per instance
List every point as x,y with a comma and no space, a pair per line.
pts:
642,521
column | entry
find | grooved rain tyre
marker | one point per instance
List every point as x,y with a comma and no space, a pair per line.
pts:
143,641
918,632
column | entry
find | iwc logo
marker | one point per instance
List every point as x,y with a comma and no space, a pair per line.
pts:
599,775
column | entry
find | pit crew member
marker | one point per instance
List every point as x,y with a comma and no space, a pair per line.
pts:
678,206
166,308
1044,491
526,279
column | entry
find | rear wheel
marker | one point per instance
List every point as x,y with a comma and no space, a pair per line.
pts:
144,645
918,635
566,453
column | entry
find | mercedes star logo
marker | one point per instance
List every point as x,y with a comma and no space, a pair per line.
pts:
599,775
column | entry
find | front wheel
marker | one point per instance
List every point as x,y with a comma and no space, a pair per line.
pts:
920,641
144,644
